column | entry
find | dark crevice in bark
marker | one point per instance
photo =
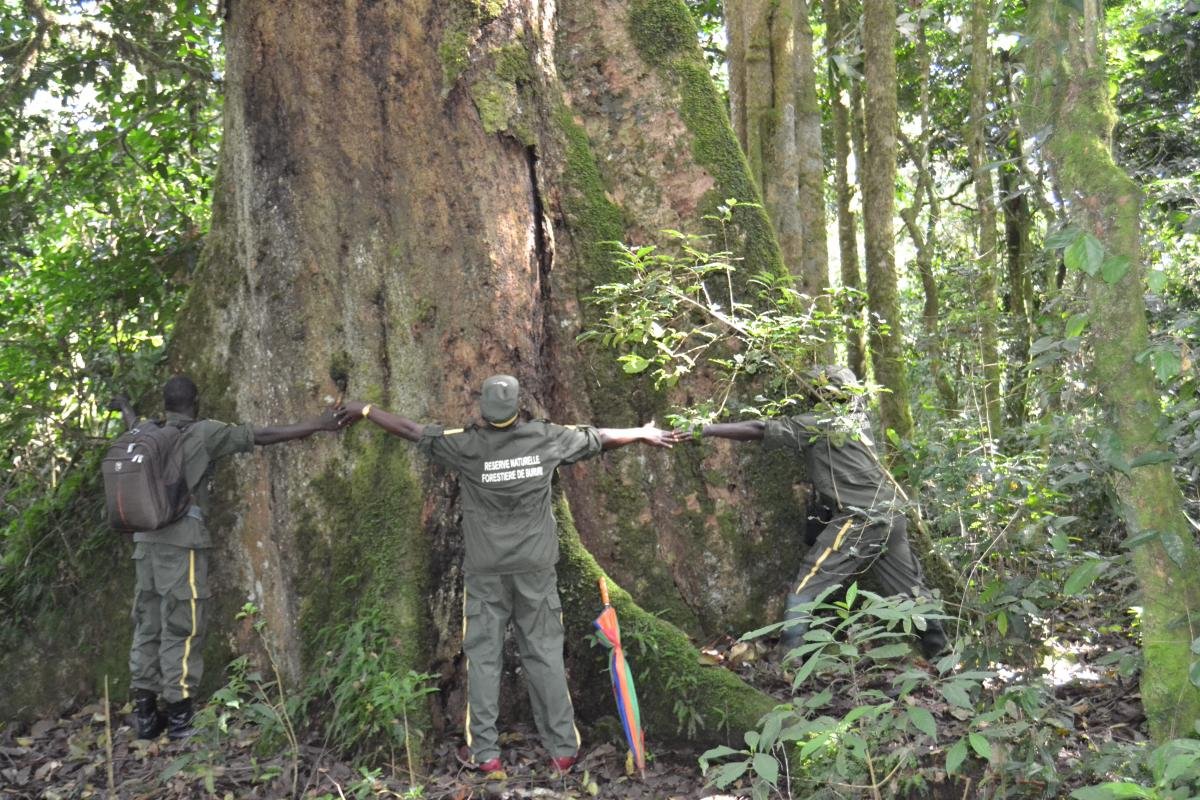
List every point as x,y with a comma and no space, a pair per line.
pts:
379,301
544,253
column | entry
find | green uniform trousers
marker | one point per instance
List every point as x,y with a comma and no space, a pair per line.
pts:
530,600
170,618
850,545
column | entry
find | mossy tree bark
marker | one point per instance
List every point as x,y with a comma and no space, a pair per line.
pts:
986,241
410,199
773,100
1019,258
1068,98
879,188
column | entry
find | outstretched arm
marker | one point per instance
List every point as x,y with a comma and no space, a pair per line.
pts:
274,434
748,431
353,410
128,415
612,438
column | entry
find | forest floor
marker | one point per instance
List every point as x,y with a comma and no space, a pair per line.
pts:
68,756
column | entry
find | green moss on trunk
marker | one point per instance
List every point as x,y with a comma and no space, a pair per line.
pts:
1069,95
666,666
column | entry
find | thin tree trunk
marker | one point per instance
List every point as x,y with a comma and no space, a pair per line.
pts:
925,196
879,180
762,93
851,274
1019,257
980,87
814,250
1069,96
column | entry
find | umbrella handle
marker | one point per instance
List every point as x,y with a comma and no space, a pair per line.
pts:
604,592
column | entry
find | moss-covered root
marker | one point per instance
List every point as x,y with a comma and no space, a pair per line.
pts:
939,573
679,697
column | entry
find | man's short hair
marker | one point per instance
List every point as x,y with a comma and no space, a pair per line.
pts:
180,394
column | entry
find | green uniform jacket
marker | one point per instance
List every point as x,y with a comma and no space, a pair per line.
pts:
505,477
840,459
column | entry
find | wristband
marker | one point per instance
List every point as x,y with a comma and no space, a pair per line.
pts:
366,411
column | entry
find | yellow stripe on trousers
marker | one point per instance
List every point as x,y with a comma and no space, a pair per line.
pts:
187,643
837,542
466,671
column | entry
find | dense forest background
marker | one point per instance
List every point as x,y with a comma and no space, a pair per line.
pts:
645,209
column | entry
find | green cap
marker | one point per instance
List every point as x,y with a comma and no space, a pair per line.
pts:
499,401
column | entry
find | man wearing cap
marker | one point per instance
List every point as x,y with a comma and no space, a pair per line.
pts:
867,527
505,468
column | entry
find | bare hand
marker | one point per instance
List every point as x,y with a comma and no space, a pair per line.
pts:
655,436
349,413
680,435
328,420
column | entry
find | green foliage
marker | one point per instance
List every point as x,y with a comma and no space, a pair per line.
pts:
107,146
1170,771
681,309
361,693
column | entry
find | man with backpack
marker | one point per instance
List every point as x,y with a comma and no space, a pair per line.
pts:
505,468
170,614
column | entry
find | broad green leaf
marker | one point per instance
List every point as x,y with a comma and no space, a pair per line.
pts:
1153,457
1114,268
888,651
1085,254
955,756
1111,791
1062,238
923,721
957,695
1082,577
1166,363
1194,673
980,745
1075,325
1174,547
766,767
1156,280
632,363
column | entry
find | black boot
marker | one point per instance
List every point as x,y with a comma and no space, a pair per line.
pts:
148,721
933,639
797,621
179,719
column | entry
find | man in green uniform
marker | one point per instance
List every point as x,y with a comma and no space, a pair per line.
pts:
170,606
505,469
867,528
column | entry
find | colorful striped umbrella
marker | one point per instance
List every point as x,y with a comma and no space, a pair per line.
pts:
622,680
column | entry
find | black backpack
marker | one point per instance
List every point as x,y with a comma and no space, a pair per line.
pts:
144,483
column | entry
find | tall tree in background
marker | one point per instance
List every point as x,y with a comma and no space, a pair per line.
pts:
980,89
843,92
762,100
1069,103
924,238
773,102
878,186
814,255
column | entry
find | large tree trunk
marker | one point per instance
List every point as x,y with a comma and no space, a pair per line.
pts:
879,182
1069,96
410,199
